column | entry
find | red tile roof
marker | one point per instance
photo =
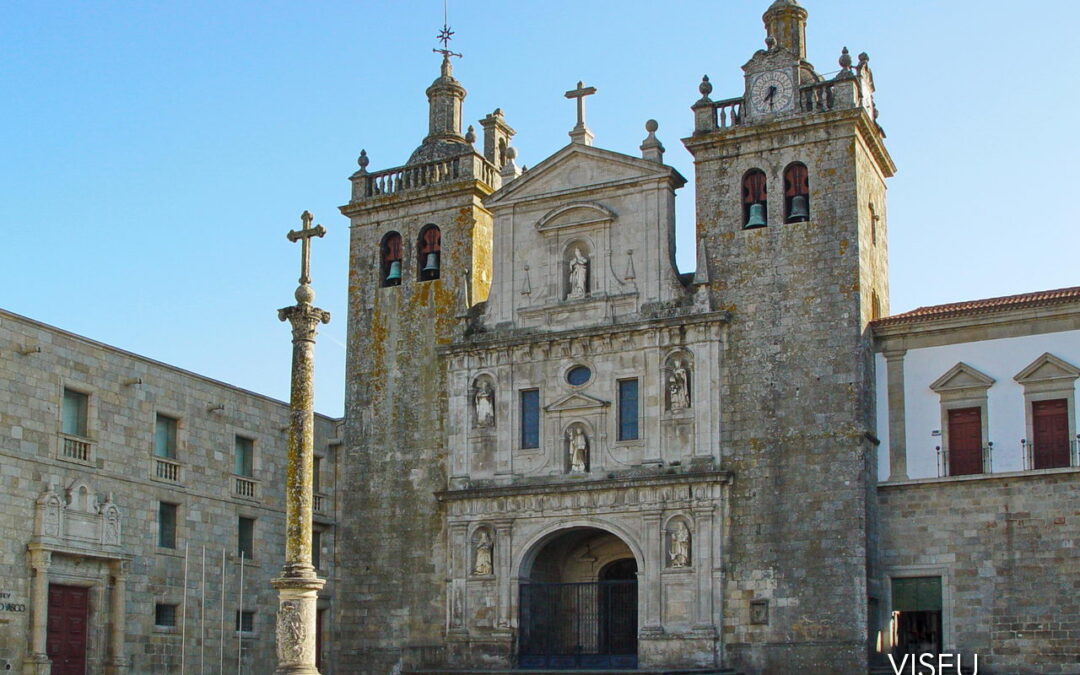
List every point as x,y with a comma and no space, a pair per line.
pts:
1004,303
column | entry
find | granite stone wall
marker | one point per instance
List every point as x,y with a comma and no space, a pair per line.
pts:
126,392
1006,549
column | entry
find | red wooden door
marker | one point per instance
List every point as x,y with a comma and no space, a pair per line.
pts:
69,609
1050,422
965,441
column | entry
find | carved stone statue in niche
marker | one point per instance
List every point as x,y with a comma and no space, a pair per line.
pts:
679,546
484,401
679,386
579,275
483,565
579,450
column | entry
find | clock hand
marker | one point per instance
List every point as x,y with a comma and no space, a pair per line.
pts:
769,96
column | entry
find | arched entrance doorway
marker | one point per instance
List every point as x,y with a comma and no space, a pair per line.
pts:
578,602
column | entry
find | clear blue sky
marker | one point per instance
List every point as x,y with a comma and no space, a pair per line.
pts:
153,154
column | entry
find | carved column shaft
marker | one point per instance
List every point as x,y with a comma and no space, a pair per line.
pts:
701,550
118,664
298,586
39,625
503,551
654,562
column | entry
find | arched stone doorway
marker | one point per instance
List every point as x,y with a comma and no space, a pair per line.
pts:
578,602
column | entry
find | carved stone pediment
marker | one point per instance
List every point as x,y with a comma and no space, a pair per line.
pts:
575,214
581,167
76,521
962,376
576,402
773,59
1047,368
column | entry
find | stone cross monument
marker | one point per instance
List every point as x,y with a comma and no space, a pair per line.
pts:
298,587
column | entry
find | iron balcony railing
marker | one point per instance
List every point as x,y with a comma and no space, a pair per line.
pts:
1056,456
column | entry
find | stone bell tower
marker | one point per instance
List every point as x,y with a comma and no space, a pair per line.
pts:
791,215
420,255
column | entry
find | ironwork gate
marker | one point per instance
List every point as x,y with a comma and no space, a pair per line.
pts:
578,625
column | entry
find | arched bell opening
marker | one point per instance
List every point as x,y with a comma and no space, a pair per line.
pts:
755,200
579,602
390,259
429,253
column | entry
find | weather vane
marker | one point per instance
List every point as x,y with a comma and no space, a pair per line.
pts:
444,36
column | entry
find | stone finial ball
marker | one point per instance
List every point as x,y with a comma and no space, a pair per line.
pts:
651,126
304,293
363,160
511,152
705,87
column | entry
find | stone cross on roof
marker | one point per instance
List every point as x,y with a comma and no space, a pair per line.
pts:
305,234
581,133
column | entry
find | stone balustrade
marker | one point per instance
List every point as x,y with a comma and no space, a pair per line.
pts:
418,176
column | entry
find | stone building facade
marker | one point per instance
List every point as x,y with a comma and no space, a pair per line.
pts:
581,457
123,509
985,532
559,451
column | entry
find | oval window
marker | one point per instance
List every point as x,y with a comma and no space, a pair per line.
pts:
578,375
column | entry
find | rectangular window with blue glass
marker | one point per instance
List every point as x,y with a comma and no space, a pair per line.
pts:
628,410
530,418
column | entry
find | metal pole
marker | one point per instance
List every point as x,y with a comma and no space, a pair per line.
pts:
202,615
239,619
183,613
221,626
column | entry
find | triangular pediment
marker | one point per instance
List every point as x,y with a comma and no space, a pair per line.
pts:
1045,368
576,401
579,167
962,376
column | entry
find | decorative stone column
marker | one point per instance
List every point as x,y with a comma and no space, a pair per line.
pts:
37,661
118,663
298,586
503,556
654,562
894,368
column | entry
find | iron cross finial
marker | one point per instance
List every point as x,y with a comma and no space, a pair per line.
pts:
444,36
304,235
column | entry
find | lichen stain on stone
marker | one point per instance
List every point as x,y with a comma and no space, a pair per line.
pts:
844,243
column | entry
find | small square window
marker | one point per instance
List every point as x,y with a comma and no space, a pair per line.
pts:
164,615
167,525
245,621
165,437
246,537
74,413
245,453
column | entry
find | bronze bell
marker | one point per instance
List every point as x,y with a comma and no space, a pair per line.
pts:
431,267
394,277
800,211
757,217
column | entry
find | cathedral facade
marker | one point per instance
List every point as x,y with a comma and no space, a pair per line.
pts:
560,452
575,456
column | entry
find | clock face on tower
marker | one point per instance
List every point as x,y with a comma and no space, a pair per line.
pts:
772,92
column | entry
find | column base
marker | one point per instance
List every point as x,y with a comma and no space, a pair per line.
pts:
117,667
37,664
297,597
